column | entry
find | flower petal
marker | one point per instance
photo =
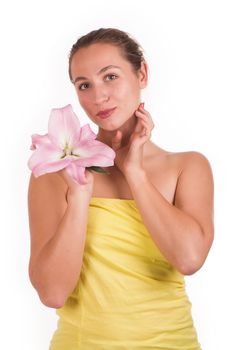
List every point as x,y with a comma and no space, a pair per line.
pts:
46,153
97,160
94,153
44,168
77,173
63,127
86,133
38,140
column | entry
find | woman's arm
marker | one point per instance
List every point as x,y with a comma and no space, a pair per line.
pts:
58,231
184,231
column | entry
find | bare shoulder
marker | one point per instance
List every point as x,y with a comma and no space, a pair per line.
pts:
51,182
195,185
189,160
178,162
184,178
194,171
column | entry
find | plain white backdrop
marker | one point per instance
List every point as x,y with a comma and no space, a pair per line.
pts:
187,46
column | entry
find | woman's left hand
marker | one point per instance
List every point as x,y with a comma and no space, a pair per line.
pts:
130,157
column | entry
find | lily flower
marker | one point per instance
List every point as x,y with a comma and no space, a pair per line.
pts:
67,145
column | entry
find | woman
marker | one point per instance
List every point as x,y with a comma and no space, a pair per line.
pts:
111,255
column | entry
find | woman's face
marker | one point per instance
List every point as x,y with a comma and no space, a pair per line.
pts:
104,79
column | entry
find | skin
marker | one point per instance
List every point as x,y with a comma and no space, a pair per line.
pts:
104,91
176,201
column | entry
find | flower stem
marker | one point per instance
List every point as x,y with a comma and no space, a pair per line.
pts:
97,169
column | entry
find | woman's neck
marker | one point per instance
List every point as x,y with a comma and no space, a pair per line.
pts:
127,129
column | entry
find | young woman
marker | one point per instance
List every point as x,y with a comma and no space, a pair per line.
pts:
111,255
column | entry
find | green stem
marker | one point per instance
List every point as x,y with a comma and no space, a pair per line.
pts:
98,169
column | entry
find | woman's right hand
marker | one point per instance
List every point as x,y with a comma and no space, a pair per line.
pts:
74,188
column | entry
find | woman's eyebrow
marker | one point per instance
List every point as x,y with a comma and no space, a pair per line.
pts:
101,71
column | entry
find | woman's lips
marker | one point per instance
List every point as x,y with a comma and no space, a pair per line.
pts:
105,114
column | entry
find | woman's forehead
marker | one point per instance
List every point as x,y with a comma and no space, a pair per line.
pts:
96,57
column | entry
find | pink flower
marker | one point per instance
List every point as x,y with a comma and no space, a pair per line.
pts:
67,145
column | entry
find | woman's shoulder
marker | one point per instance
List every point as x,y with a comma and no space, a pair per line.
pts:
190,167
47,183
188,159
182,158
163,161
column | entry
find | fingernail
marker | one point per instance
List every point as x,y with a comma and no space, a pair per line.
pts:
142,105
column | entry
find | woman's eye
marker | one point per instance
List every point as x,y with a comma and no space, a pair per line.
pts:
113,76
84,86
81,86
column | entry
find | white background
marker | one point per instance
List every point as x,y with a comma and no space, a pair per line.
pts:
188,48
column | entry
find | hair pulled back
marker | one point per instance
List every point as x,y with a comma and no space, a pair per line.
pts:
130,48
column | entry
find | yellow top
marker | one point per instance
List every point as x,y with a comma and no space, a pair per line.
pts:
128,295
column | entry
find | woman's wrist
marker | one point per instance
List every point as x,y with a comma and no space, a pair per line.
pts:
77,197
132,173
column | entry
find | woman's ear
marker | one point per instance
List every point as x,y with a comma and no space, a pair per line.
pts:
143,75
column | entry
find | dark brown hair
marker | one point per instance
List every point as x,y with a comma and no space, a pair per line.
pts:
130,48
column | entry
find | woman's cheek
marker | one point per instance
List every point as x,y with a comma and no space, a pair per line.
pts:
83,101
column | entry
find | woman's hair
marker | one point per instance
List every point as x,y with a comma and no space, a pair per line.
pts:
130,48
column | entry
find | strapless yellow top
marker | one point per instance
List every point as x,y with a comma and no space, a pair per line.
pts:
128,295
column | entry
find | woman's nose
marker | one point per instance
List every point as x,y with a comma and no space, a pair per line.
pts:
100,95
